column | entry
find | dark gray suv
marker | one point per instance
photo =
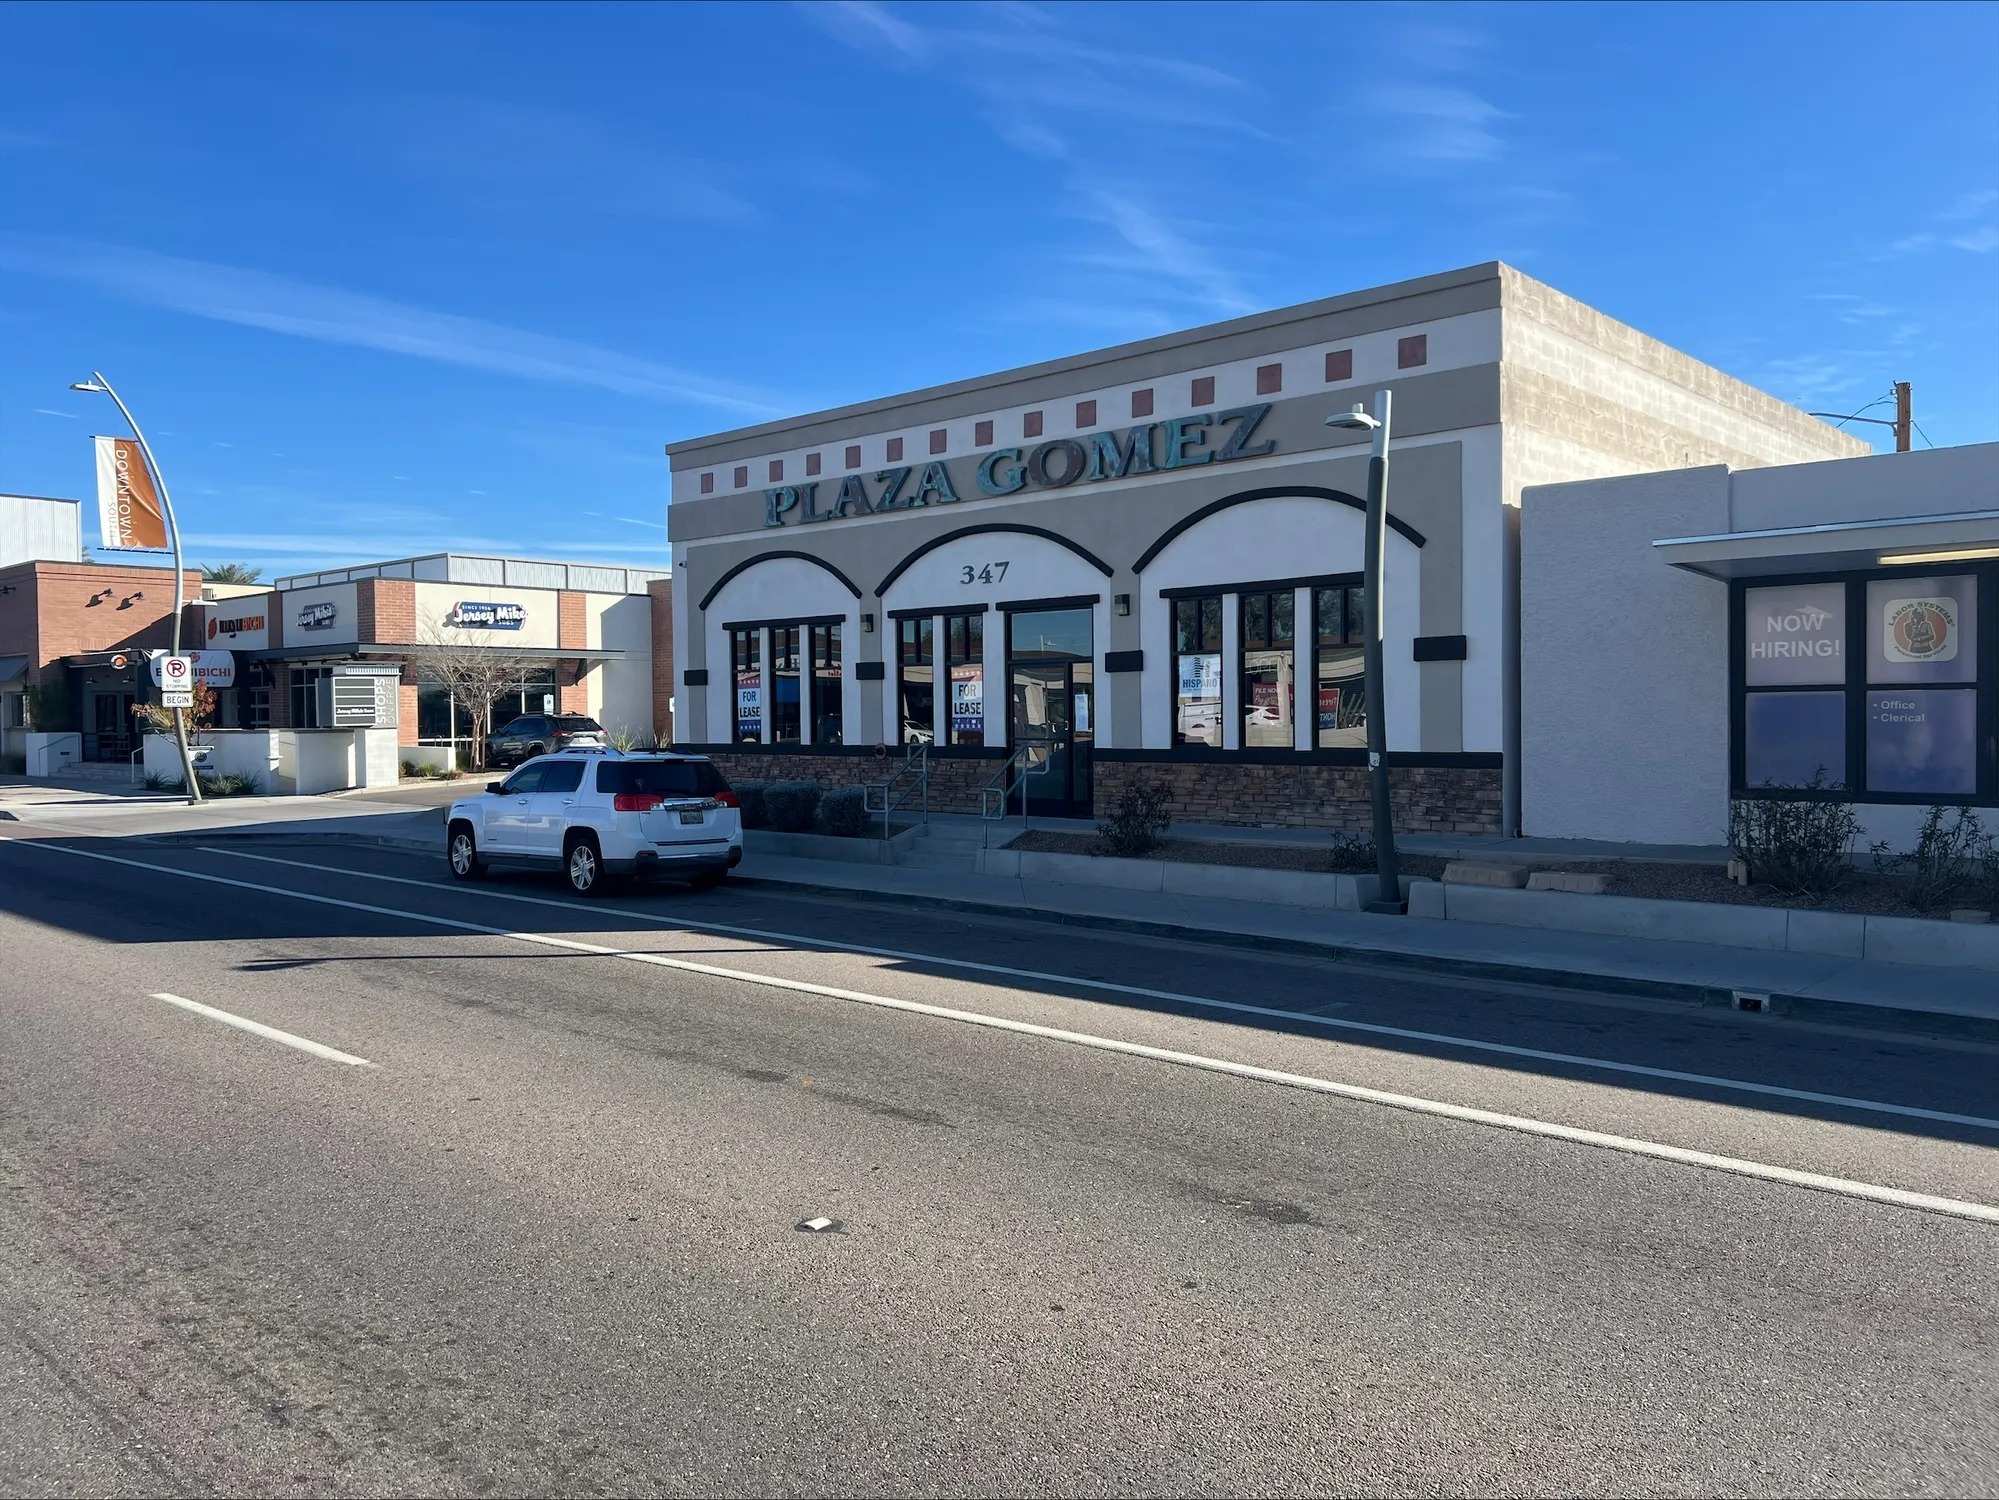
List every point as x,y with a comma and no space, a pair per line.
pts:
541,734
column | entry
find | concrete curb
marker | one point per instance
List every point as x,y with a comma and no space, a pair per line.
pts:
1861,1014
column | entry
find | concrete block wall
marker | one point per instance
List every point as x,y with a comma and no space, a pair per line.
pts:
1423,799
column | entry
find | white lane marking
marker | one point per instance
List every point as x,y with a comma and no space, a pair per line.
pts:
270,1033
1331,1023
1761,1171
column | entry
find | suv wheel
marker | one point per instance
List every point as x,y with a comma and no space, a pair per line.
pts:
461,851
583,866
534,750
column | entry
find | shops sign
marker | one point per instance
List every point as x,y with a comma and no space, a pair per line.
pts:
1149,448
316,616
469,614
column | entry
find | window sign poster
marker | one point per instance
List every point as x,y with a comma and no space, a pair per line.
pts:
1083,712
1923,741
1201,678
749,706
1794,635
1922,629
968,700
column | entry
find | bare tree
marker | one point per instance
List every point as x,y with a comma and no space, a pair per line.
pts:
474,669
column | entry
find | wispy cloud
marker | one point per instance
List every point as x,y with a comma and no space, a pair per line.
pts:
864,24
1058,96
1154,247
331,315
67,416
1978,241
1440,122
1970,205
535,161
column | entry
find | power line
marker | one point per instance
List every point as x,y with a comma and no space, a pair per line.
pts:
1924,435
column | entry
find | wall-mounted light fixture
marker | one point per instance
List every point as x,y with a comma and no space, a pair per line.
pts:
100,596
1942,555
1121,603
867,624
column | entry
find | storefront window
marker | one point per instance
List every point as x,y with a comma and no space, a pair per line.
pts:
745,652
1340,679
305,696
827,713
1900,721
1197,671
965,646
916,680
786,710
1269,670
1923,630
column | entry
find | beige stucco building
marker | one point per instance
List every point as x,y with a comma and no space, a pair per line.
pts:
1144,559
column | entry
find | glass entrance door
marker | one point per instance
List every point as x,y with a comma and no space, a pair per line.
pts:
1051,687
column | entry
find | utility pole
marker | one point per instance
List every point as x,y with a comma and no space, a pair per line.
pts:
1905,417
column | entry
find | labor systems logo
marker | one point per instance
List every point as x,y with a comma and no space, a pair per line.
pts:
1919,630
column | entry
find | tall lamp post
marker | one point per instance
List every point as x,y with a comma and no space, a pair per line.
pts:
97,385
1388,898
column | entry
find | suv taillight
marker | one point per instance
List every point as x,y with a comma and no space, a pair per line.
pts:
635,802
727,798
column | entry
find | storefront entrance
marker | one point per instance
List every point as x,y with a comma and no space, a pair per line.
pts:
1051,677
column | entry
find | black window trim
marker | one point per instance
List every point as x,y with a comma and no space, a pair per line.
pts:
1856,688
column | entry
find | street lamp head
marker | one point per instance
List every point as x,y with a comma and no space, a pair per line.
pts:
91,386
1357,418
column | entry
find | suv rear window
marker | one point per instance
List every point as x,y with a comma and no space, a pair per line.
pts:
661,778
576,721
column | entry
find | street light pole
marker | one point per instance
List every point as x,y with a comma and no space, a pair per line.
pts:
1388,895
98,385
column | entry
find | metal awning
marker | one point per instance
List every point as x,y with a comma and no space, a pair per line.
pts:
1838,546
12,667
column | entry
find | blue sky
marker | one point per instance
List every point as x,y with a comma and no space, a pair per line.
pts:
386,279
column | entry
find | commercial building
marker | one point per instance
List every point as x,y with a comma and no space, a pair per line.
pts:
577,638
1143,563
1701,634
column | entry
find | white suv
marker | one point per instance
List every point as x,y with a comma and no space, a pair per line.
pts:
595,813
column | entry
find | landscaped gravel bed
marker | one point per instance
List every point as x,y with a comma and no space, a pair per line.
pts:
1870,894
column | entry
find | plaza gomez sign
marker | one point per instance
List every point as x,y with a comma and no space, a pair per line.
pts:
1153,447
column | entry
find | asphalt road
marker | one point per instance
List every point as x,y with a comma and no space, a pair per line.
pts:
545,1240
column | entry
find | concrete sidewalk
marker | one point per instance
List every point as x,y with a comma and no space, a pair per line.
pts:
1935,1001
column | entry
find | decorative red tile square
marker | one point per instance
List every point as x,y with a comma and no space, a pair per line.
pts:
853,455
1141,402
776,470
1086,413
939,437
708,483
1339,365
1030,425
1269,379
982,434
1412,351
742,476
1204,390
811,464
895,450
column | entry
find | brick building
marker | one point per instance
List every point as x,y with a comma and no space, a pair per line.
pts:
1145,562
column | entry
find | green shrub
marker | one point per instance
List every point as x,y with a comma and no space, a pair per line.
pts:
229,785
13,765
750,799
49,708
1353,853
1133,828
1803,848
843,812
155,782
791,805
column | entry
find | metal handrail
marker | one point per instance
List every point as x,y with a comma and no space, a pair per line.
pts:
915,765
996,793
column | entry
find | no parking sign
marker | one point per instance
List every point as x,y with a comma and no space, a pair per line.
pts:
177,681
